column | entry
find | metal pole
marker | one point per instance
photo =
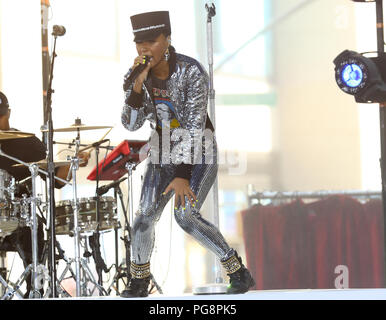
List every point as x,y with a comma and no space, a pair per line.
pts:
382,119
34,235
75,209
219,286
212,114
45,4
51,174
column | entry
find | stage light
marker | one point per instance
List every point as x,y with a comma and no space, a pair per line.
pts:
352,75
360,76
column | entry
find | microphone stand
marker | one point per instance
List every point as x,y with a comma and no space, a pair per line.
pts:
219,286
51,181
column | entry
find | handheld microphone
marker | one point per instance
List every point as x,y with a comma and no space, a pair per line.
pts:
58,30
102,190
138,69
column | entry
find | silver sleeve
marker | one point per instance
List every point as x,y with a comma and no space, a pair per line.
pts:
132,118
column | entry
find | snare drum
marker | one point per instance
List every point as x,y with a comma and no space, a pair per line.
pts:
64,221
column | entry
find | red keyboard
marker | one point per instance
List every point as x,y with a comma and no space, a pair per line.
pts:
113,166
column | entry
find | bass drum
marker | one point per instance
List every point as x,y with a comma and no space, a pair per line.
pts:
64,221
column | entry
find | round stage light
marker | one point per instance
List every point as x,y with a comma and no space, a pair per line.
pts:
351,72
361,76
352,75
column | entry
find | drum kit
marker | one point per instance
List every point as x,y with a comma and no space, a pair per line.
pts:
82,218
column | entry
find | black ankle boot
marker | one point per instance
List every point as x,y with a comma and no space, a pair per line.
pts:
137,288
241,279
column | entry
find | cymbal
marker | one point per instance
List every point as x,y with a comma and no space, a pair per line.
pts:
9,134
77,127
43,164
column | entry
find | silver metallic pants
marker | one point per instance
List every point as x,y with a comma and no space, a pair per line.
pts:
152,203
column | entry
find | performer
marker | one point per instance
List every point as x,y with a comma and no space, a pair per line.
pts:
29,149
172,93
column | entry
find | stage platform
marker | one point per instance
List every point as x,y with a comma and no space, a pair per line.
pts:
301,294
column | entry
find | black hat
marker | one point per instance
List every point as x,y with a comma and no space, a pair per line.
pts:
149,25
3,104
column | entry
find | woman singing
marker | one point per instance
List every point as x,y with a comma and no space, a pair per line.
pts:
171,91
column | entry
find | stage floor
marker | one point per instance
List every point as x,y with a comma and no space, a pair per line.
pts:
301,294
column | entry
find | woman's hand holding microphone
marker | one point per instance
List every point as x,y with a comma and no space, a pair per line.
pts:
139,80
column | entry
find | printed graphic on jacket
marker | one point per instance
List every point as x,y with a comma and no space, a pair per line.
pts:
165,108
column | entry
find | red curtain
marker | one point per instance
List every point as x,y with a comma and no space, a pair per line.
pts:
299,245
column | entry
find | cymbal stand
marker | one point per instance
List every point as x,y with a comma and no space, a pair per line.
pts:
80,264
75,209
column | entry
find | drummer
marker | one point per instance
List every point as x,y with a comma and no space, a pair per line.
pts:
29,149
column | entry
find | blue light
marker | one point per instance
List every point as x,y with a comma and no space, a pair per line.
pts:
352,75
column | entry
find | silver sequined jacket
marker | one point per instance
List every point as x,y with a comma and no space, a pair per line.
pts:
188,88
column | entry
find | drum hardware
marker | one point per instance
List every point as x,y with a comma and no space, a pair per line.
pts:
82,271
75,207
61,255
78,126
30,164
35,269
3,271
41,277
86,276
42,272
74,219
43,164
8,295
87,146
